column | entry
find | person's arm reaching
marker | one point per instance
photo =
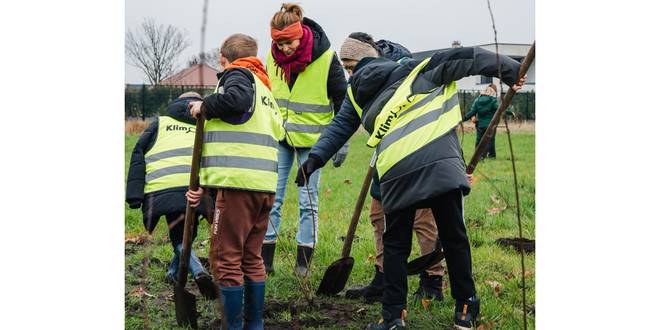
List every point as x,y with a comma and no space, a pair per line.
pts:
135,179
335,135
447,66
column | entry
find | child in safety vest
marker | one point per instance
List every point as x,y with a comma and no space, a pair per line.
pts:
158,178
239,161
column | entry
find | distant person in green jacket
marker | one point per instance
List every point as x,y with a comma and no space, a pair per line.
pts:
484,107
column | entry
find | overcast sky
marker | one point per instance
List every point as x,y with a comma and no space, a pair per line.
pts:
418,25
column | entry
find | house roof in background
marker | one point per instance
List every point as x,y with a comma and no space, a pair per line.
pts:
190,76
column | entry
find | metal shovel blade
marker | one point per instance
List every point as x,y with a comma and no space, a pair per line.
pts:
185,304
422,263
335,277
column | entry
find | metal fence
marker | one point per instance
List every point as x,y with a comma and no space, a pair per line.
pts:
522,104
143,101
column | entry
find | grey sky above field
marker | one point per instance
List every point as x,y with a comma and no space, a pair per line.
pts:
418,25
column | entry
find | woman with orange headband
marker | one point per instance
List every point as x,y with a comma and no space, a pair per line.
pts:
309,86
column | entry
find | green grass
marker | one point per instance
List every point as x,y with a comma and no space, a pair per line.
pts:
338,192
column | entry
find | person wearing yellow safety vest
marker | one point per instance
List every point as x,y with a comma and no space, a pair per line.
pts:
309,86
239,161
357,46
411,112
158,178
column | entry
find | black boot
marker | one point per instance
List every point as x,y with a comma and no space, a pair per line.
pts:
268,253
389,321
430,287
372,292
466,313
302,260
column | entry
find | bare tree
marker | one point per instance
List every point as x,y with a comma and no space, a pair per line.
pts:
155,49
211,58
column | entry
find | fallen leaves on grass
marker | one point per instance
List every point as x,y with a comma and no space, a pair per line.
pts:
486,325
497,287
495,199
138,239
496,210
139,292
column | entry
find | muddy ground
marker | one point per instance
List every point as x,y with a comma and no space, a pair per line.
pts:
150,303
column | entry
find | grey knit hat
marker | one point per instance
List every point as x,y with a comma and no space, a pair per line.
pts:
353,49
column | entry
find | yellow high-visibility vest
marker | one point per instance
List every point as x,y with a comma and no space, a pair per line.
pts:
410,121
306,108
168,161
244,156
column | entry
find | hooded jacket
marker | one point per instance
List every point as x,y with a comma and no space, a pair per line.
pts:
392,50
158,203
435,168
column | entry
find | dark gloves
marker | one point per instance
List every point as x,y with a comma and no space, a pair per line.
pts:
308,167
134,203
340,156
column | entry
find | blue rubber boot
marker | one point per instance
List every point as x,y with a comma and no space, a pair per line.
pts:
255,293
232,300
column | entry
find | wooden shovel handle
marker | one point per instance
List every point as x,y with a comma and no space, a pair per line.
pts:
190,212
490,131
348,242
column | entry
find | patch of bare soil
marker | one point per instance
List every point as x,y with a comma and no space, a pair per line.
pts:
518,244
322,312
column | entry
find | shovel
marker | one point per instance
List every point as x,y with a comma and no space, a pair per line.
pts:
185,302
422,263
418,265
335,277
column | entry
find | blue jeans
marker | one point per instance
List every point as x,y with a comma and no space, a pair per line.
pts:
194,264
307,230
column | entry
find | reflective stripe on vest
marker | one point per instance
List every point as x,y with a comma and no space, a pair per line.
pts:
244,156
306,108
168,160
357,108
409,121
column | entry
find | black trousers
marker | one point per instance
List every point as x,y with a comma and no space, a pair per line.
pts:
448,212
490,151
175,223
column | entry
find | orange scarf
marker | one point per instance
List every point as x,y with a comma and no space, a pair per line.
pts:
254,65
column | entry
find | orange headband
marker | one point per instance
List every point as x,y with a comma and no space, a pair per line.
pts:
291,32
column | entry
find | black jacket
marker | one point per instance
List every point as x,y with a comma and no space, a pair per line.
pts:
234,102
158,203
438,166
